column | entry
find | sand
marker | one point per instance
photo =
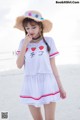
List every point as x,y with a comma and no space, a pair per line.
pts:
68,109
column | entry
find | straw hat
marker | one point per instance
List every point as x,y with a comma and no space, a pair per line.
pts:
35,15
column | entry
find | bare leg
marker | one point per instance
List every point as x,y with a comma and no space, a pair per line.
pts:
36,112
50,111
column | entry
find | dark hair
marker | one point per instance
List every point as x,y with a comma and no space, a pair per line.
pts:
31,21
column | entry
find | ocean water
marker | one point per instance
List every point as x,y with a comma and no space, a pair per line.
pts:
68,55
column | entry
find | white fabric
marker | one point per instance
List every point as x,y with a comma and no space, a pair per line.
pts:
39,85
37,58
39,89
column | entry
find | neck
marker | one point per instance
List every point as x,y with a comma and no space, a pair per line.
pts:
37,39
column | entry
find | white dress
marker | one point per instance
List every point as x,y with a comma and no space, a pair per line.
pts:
39,84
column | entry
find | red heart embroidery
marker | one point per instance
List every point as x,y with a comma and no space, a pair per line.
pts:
33,49
41,47
26,49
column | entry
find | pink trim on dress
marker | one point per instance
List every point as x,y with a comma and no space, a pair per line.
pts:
40,96
17,52
54,54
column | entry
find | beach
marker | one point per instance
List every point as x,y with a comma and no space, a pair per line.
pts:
66,34
68,109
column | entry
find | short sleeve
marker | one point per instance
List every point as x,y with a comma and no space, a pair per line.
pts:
53,51
20,46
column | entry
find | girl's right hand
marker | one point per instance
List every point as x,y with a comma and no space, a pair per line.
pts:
20,59
28,38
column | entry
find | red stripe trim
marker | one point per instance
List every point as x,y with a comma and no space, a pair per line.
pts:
40,96
54,54
17,52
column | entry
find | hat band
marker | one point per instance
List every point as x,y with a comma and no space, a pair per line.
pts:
30,14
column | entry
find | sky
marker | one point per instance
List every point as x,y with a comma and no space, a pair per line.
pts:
65,19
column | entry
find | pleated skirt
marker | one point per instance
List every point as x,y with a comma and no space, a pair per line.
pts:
39,89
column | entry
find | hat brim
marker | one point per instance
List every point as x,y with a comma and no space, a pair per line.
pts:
47,25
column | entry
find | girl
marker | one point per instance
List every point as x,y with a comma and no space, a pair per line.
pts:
41,85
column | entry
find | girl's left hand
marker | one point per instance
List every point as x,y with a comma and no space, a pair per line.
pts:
62,94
